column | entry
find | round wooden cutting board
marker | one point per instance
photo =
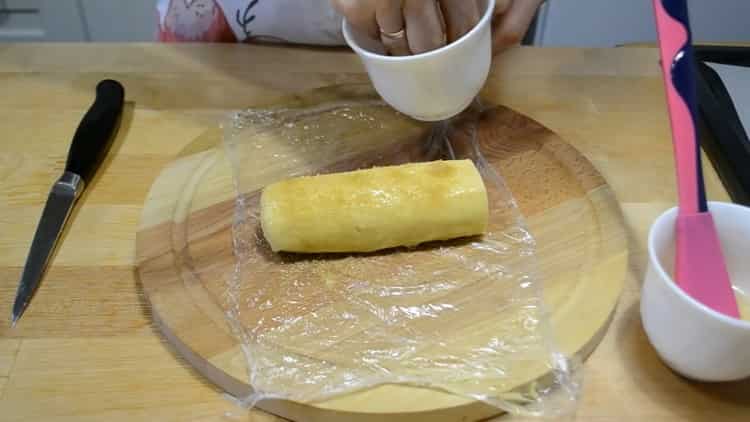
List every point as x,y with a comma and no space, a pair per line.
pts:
184,247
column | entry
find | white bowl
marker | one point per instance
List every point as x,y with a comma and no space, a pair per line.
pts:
691,338
435,85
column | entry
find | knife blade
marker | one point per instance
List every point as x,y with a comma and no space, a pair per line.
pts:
90,144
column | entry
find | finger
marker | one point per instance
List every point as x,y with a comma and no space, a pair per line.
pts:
511,27
502,6
360,14
460,17
390,19
424,25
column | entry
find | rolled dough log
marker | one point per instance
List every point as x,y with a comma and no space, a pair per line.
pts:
379,208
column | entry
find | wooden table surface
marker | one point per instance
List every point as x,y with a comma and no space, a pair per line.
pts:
86,349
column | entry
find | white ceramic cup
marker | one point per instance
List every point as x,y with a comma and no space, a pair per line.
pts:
692,339
435,85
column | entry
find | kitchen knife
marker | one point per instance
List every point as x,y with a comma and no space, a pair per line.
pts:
90,143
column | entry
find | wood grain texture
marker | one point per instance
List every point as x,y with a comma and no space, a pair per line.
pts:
8,353
184,246
607,103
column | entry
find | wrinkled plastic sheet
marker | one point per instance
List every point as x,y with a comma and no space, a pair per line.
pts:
463,316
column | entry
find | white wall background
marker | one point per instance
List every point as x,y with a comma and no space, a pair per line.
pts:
605,23
77,20
601,23
120,20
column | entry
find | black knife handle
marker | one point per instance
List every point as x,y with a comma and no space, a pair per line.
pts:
96,131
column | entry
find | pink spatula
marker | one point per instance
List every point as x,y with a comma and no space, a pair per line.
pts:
699,263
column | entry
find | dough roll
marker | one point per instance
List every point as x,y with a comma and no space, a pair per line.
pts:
379,208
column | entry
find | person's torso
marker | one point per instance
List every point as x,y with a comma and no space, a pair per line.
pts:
292,21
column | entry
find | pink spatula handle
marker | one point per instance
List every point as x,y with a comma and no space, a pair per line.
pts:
700,269
676,62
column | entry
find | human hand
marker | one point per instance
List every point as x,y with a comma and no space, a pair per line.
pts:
511,22
407,27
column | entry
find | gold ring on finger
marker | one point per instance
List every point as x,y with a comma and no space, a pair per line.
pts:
393,35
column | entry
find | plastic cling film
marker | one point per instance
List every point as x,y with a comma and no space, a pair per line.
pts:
464,316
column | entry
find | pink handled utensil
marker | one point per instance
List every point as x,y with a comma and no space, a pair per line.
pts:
700,269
